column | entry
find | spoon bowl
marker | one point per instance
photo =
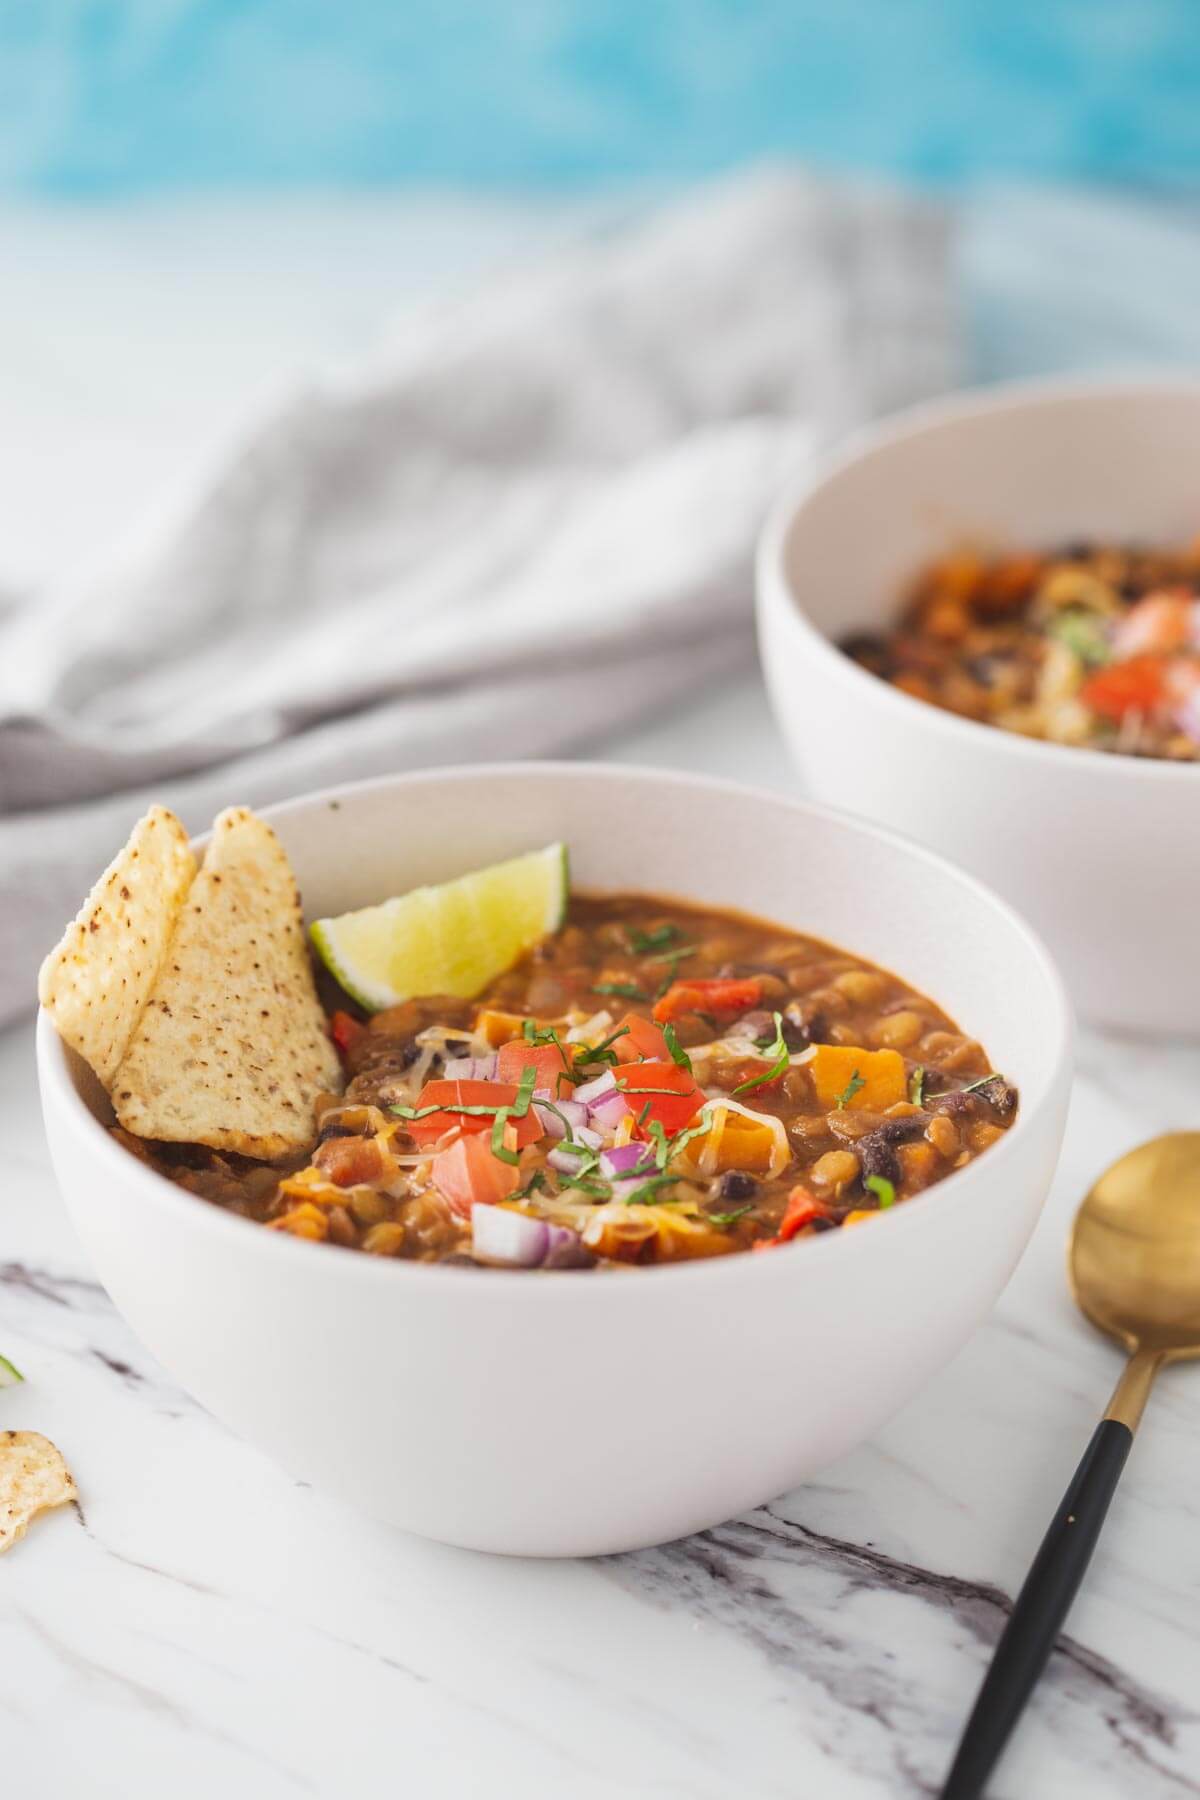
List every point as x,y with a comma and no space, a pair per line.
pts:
1134,1259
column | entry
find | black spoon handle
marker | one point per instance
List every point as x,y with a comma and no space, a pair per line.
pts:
1042,1605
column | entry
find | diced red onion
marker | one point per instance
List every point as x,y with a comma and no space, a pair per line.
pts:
1187,717
564,1160
566,1113
627,1159
609,1111
502,1236
510,1237
592,1091
471,1068
625,1189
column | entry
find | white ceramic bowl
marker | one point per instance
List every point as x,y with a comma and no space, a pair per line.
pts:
579,1413
1100,852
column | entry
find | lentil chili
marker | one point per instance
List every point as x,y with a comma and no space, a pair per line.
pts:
654,1082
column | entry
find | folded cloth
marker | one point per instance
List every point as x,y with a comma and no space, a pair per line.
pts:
531,521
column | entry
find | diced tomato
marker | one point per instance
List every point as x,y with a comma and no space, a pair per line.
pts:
707,996
1157,623
547,1059
672,1096
345,1030
467,1172
1137,685
644,1039
446,1095
348,1161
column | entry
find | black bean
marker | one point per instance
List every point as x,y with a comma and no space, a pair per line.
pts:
877,1159
803,1026
823,1223
456,1046
956,1105
995,1095
737,1186
876,1153
1000,1095
335,1129
570,1256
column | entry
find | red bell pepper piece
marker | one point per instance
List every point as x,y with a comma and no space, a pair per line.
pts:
800,1212
716,996
345,1030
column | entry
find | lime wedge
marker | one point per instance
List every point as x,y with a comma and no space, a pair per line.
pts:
9,1373
451,939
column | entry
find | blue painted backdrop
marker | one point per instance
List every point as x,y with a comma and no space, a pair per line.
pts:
108,96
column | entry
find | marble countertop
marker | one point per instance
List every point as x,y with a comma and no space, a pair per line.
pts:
203,1624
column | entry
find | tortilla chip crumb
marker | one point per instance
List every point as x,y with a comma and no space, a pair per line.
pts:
232,1049
96,981
33,1477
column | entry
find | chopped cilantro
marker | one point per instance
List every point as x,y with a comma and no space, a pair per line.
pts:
662,1144
729,1218
684,1137
851,1088
517,1110
778,1051
536,1182
882,1189
642,942
976,1085
678,1054
1084,636
916,1086
602,1053
644,1114
624,990
646,1193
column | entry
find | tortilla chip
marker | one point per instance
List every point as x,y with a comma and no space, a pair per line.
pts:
33,1476
232,1049
96,982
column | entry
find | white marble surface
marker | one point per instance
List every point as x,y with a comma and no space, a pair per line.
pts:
205,1625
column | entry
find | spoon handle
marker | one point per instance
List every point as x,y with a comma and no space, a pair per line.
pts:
1041,1607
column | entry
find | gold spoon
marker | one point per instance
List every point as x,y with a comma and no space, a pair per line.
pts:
1134,1265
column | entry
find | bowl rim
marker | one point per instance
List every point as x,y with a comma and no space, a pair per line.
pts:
54,1076
777,592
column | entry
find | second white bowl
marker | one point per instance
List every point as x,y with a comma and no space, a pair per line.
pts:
1100,852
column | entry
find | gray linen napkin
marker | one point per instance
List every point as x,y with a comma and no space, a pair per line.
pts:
532,522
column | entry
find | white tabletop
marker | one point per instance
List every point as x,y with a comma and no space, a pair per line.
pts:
205,1625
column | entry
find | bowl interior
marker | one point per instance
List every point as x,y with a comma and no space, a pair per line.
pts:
1030,467
807,868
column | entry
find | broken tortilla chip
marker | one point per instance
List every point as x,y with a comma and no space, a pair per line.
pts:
95,983
33,1476
232,1048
